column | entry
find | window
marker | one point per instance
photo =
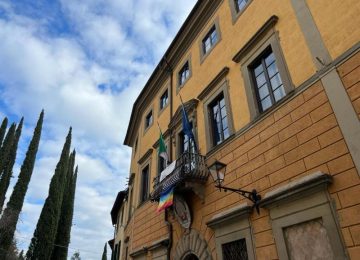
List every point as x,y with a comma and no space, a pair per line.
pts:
122,216
184,73
308,228
233,236
218,120
240,5
162,165
126,253
148,120
186,145
266,77
116,253
210,39
217,108
263,67
237,7
135,146
144,184
235,250
164,100
130,204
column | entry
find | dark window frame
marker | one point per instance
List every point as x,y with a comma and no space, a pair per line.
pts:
184,73
118,253
178,131
130,204
149,119
237,10
222,87
226,248
212,38
122,216
206,52
161,164
185,142
182,79
264,40
135,145
261,61
164,100
216,119
241,8
145,184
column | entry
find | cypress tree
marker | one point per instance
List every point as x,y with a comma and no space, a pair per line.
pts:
104,256
8,168
41,244
21,256
3,129
67,209
11,214
6,147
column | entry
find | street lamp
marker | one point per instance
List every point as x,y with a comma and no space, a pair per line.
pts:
217,172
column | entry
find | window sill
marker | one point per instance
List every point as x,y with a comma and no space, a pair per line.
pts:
182,85
252,123
216,148
274,107
237,14
205,55
161,110
147,128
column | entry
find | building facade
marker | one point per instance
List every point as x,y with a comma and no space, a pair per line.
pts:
272,90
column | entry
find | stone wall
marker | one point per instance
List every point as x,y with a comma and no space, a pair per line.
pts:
349,72
299,138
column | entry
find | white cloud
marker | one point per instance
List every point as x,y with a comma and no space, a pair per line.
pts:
115,44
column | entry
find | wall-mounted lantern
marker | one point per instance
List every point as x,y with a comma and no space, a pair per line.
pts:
217,172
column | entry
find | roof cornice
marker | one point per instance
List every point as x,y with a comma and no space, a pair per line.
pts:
200,14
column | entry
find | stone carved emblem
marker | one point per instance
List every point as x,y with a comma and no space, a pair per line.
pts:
182,212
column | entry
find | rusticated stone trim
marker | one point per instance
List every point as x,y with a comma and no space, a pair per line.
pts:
297,188
145,156
270,23
192,243
215,82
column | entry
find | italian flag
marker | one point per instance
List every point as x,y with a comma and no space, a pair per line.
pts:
162,149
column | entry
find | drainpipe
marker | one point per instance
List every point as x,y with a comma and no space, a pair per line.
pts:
170,71
168,224
169,245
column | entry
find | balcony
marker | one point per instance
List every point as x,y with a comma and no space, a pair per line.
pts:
190,167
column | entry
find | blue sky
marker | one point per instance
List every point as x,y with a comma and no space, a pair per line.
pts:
84,62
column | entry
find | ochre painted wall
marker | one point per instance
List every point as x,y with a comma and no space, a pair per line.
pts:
338,23
300,137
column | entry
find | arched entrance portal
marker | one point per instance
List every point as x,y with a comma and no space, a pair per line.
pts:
192,246
191,257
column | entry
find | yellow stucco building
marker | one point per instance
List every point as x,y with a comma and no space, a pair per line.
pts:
272,91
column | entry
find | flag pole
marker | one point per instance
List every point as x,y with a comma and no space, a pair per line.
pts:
161,137
182,103
191,136
159,126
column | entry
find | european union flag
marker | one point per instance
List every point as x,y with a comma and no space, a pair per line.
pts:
187,127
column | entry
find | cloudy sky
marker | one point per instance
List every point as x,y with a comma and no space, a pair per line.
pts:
84,62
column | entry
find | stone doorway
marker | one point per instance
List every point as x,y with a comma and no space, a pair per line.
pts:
192,246
190,257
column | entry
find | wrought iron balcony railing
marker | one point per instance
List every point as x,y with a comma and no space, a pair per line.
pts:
190,167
